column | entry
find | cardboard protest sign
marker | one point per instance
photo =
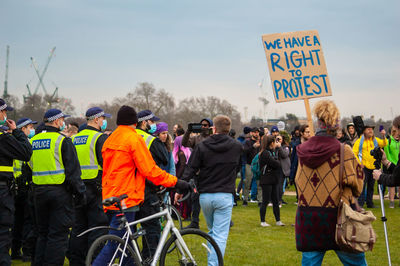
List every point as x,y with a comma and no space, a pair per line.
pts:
296,65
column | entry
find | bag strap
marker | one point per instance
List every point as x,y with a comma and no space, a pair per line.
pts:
341,170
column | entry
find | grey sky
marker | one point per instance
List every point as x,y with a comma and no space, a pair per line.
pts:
190,48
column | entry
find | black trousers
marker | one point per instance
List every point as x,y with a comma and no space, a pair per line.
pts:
86,217
33,233
53,206
272,192
368,189
195,207
6,222
152,227
22,236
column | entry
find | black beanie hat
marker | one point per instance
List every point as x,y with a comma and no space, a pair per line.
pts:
126,116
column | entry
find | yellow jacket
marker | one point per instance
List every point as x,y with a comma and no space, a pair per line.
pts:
368,146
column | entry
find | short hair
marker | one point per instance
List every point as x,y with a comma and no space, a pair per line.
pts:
222,124
72,129
303,128
396,122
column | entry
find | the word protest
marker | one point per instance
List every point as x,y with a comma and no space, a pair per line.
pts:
296,65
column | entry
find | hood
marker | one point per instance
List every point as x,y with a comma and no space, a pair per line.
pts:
219,142
208,120
317,150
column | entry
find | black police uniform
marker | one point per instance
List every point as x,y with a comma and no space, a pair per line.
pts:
54,208
151,205
12,146
90,215
23,234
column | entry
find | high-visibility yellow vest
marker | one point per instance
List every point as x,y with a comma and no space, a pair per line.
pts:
46,161
17,168
3,168
148,139
85,145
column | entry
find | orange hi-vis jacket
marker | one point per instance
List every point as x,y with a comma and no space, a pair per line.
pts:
126,163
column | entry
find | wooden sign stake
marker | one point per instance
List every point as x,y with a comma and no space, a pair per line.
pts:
309,118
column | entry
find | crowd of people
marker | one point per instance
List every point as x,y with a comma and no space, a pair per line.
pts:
54,178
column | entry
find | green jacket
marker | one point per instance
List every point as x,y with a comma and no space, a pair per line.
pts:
392,150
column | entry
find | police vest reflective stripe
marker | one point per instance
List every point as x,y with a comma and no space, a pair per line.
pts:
85,145
46,161
148,139
17,168
3,168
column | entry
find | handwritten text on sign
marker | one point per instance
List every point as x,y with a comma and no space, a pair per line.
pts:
296,65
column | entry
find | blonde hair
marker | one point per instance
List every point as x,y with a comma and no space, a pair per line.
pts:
327,112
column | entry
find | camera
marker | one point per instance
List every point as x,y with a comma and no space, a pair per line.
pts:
195,127
377,154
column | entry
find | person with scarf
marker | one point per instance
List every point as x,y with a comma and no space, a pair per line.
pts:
317,183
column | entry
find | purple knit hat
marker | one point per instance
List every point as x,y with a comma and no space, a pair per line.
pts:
161,127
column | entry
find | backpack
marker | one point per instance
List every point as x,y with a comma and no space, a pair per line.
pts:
255,166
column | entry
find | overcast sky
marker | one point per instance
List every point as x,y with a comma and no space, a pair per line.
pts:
201,48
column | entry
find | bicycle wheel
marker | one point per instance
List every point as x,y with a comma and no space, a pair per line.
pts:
108,250
176,215
199,244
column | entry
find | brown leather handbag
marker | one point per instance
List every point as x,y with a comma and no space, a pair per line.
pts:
354,231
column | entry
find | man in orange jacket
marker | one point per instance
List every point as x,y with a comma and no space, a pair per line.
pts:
127,162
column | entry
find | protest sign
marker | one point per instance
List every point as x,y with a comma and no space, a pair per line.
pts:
296,65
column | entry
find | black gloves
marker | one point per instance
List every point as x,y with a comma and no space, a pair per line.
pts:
80,200
182,185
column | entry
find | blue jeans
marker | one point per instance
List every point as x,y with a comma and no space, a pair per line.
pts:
217,210
107,252
348,259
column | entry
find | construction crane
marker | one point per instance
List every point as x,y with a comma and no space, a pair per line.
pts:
50,98
5,93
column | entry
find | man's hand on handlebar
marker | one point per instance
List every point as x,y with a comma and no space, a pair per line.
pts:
178,197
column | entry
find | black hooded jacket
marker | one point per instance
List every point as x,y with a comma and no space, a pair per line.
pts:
218,159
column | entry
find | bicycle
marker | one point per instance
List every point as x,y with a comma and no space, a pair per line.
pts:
181,248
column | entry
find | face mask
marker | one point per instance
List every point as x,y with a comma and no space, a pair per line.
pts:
2,122
31,133
62,127
153,128
104,125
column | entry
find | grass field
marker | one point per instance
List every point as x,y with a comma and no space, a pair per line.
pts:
250,244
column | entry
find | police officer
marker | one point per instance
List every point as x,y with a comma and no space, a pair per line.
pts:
146,126
88,144
22,235
14,146
56,177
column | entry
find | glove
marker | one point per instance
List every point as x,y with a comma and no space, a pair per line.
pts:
182,185
80,200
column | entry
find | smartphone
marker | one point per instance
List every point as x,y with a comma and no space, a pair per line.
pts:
195,127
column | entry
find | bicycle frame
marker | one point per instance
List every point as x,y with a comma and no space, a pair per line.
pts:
170,226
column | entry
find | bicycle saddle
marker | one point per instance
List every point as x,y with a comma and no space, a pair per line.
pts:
113,200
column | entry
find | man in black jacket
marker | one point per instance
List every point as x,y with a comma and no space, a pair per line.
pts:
14,146
217,158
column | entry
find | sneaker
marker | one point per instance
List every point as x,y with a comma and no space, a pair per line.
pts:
280,205
264,224
244,203
279,223
284,202
253,201
391,204
295,203
269,204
